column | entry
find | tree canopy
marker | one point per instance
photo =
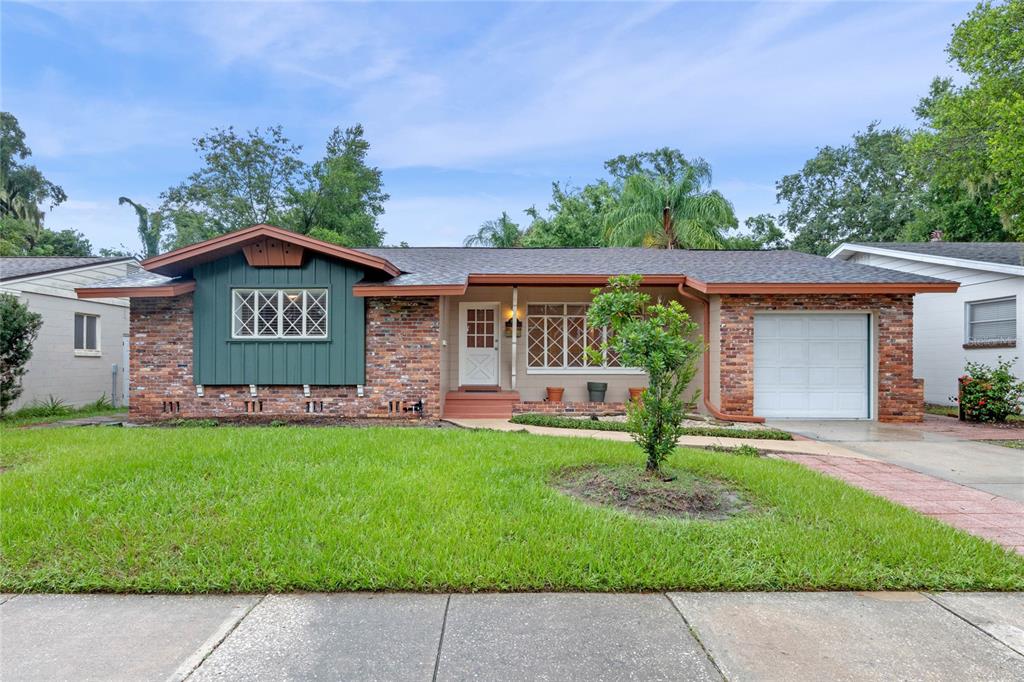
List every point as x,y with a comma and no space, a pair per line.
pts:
499,233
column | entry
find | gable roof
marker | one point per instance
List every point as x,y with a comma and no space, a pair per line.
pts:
1005,257
17,267
709,271
180,261
435,271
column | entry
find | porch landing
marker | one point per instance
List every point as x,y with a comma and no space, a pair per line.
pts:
476,404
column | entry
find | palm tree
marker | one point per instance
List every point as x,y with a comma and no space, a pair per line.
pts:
501,233
661,212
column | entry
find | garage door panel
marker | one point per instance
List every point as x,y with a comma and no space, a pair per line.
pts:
811,366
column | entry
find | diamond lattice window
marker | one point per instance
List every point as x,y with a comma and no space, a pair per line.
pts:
279,313
558,336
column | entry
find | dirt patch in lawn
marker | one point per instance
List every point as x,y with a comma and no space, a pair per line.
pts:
631,489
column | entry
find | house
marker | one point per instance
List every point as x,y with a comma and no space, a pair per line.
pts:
78,355
981,323
263,320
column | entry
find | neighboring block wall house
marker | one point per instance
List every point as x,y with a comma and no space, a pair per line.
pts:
80,343
271,323
991,294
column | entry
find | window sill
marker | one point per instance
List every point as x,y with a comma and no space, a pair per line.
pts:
584,371
88,353
977,345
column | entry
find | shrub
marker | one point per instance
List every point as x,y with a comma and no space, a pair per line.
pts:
990,394
657,338
746,451
19,328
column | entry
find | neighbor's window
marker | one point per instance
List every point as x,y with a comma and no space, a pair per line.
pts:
279,314
992,321
87,334
558,335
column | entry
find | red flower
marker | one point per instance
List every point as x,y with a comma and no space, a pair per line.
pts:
981,402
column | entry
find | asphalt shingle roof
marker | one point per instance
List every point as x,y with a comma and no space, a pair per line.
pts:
25,266
138,279
1003,253
452,265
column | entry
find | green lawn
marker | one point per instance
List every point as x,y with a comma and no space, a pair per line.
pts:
253,509
38,415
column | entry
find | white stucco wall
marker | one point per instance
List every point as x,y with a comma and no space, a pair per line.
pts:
55,369
939,355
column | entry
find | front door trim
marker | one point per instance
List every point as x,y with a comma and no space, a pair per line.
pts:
464,360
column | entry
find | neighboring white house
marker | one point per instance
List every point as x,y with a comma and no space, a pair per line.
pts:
980,323
78,355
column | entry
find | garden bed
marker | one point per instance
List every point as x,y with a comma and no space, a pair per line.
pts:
691,427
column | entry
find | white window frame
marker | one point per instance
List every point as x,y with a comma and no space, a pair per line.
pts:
87,352
588,370
279,334
981,342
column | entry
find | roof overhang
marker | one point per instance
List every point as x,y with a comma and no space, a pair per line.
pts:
823,287
846,251
180,261
71,268
173,289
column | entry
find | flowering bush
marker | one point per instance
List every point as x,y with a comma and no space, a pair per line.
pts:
990,394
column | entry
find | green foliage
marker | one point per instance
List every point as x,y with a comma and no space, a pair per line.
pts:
990,394
342,196
746,451
19,328
563,422
576,217
762,233
657,338
150,229
862,191
25,194
973,136
501,233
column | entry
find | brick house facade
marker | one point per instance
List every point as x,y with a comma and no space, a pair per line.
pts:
403,352
900,397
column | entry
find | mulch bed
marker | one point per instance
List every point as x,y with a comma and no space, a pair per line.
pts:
631,489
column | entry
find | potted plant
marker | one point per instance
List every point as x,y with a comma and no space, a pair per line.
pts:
555,394
596,391
635,393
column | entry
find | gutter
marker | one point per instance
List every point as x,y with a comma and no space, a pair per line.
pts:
715,412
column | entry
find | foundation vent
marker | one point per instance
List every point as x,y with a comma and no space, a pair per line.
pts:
253,406
172,406
314,406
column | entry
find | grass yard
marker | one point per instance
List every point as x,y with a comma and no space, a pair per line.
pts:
292,508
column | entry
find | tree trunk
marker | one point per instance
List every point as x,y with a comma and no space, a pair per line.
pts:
666,224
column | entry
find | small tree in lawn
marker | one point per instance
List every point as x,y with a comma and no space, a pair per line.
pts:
658,338
19,327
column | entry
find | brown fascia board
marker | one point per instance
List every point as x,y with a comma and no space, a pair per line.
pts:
176,289
180,261
409,290
823,287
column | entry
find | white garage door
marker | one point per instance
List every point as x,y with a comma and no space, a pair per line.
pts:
812,366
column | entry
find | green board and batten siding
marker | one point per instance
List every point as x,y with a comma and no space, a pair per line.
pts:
219,360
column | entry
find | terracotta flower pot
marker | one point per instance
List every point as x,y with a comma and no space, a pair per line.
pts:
635,394
555,394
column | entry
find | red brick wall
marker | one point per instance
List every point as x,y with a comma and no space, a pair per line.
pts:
900,396
403,357
548,407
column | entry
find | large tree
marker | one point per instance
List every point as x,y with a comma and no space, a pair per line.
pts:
25,196
575,217
244,180
862,191
970,150
501,232
762,232
677,210
343,196
150,228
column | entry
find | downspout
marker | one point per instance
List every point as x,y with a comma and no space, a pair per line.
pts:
715,412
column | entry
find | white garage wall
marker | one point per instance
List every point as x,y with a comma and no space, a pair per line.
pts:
939,355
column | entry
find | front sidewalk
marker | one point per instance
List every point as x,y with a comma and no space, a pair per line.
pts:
563,636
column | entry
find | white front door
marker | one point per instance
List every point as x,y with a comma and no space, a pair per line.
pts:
812,366
479,333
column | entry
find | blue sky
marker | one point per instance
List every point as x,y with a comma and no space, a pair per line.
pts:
470,109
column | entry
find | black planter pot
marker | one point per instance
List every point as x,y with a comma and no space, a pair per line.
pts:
597,389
